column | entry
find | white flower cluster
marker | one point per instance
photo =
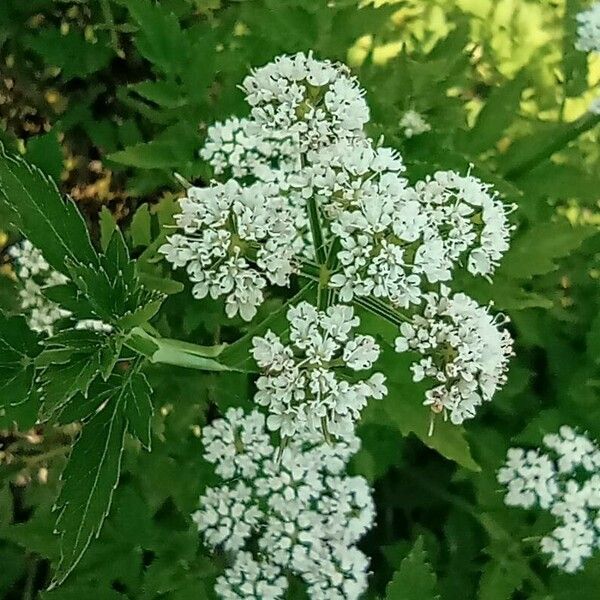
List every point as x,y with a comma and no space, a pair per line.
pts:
280,514
303,386
315,102
588,29
37,275
564,479
303,150
393,237
225,224
463,351
413,123
242,147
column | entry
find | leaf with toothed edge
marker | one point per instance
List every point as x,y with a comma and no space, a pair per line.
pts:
89,480
40,213
113,290
19,400
415,579
71,360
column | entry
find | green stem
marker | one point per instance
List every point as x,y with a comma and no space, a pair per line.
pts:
168,351
381,309
556,143
316,231
110,25
29,592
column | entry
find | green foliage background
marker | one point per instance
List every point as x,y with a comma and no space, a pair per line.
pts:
111,97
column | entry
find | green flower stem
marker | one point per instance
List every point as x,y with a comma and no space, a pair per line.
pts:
159,350
555,143
383,310
316,231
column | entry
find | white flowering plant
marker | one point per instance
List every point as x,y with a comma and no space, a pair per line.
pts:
342,285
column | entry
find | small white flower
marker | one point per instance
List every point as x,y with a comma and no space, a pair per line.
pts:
36,276
588,29
29,260
413,124
563,479
222,226
462,349
94,325
301,386
284,512
314,102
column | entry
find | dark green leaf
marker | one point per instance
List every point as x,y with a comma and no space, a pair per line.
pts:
415,579
89,480
575,64
497,114
138,408
107,227
44,218
75,359
535,251
141,232
19,400
159,39
44,151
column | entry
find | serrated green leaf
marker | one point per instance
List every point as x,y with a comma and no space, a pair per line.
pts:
89,480
497,114
175,148
415,579
71,52
109,355
500,579
43,217
164,93
19,400
113,289
140,316
107,227
141,227
403,407
161,284
535,251
74,359
138,408
159,38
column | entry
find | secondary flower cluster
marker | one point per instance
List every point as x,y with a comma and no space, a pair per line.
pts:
304,387
462,350
413,123
316,102
564,479
588,29
224,225
280,514
36,277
